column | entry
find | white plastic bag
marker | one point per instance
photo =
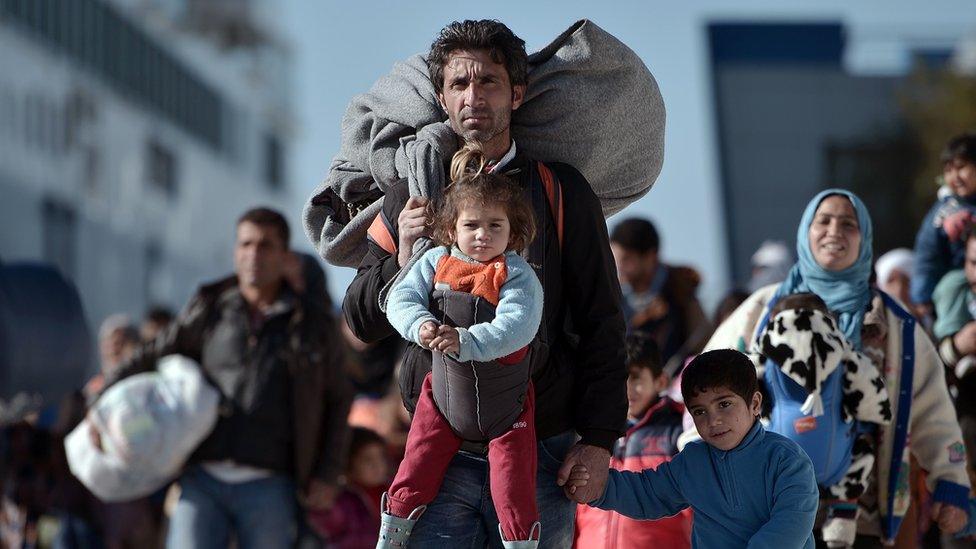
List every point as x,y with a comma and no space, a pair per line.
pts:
149,423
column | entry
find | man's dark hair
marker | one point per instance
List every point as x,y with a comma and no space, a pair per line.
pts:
160,314
961,147
268,218
637,235
487,35
720,369
643,352
802,300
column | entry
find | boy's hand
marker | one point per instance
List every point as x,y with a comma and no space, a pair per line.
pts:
578,477
428,331
447,340
951,519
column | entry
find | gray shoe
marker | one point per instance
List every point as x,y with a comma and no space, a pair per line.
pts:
532,543
395,531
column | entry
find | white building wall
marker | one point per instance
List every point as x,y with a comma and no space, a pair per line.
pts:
119,212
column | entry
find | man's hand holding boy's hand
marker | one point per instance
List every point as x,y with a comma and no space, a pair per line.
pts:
579,476
428,331
447,340
587,461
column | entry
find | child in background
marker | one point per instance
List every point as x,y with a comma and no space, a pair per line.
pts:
941,240
654,424
477,305
748,487
352,522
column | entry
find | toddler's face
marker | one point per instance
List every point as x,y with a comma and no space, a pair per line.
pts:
960,176
722,417
482,232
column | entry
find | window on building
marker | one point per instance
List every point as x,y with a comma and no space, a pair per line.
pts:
161,168
59,229
152,275
273,162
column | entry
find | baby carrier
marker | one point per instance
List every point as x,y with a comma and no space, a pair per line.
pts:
819,387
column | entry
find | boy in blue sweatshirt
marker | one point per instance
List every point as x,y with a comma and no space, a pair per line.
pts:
747,487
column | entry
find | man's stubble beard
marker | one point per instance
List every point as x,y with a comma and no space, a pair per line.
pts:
483,137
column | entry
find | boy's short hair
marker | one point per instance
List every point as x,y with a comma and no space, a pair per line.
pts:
720,369
643,352
960,147
637,235
803,300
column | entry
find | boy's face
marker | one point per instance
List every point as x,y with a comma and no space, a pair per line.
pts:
722,417
643,390
960,176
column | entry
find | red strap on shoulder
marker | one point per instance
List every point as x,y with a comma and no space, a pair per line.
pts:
380,234
554,193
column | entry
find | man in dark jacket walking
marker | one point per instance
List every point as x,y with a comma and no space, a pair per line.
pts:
276,357
479,70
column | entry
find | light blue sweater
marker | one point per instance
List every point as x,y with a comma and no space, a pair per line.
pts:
762,493
517,315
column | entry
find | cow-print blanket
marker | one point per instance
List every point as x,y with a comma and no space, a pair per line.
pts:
807,346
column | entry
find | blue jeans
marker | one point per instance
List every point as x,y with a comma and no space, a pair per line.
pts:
462,515
261,513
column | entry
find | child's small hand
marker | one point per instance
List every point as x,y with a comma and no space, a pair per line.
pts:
578,477
447,340
428,331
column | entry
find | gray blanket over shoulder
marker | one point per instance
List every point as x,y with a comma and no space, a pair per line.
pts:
590,102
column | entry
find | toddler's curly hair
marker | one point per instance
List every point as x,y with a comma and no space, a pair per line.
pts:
471,184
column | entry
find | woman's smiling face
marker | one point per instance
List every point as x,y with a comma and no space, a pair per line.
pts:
835,236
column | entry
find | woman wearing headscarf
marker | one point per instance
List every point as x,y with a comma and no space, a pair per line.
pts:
835,260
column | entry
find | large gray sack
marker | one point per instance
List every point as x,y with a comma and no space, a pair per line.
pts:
590,102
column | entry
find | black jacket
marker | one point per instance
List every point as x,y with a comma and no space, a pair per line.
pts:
581,382
284,393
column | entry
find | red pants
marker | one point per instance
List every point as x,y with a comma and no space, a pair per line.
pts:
431,445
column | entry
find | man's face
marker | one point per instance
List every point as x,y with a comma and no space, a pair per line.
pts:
259,255
722,417
970,265
633,268
478,97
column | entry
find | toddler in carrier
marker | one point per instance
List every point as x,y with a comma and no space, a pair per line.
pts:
477,305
